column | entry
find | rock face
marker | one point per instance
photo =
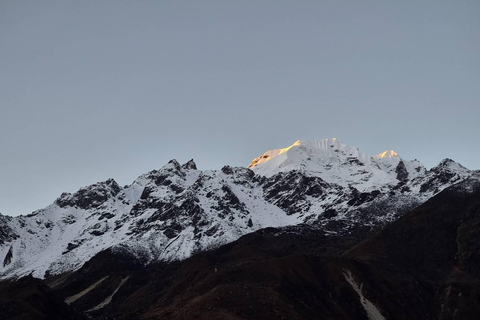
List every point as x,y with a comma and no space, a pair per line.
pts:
6,232
424,265
8,257
176,211
90,197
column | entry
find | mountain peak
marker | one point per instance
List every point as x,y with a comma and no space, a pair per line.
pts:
323,144
386,154
329,159
449,164
190,165
336,162
271,154
91,196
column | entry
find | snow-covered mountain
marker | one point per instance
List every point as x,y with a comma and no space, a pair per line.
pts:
338,163
173,212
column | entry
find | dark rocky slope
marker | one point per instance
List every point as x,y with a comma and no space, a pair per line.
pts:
29,298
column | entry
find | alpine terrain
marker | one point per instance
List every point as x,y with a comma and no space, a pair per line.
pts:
178,210
318,230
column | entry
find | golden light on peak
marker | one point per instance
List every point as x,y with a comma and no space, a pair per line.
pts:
272,154
297,143
388,154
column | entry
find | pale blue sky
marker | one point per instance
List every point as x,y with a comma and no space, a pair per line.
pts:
96,89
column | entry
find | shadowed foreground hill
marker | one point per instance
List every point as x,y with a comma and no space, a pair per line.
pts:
439,244
29,298
425,265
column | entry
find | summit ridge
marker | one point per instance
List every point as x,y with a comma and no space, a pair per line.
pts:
336,162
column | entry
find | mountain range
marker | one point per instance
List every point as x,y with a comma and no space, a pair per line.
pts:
318,230
176,211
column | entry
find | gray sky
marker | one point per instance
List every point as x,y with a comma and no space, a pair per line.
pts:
96,89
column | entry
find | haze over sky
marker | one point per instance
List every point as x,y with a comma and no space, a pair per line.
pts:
91,90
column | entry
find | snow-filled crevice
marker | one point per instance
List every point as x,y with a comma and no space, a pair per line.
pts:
372,312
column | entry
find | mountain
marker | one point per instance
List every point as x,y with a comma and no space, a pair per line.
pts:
338,163
425,265
177,211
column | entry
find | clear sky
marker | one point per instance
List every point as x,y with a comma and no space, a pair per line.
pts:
96,89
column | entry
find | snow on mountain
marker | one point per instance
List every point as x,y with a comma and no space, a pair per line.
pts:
390,162
447,172
163,215
338,163
173,212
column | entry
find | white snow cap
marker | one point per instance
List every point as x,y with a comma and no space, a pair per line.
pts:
325,146
334,162
325,149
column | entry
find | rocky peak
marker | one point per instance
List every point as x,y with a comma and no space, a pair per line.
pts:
450,167
190,165
449,163
89,197
446,162
173,167
447,172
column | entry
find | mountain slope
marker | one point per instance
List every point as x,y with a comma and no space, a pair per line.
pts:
422,266
178,210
